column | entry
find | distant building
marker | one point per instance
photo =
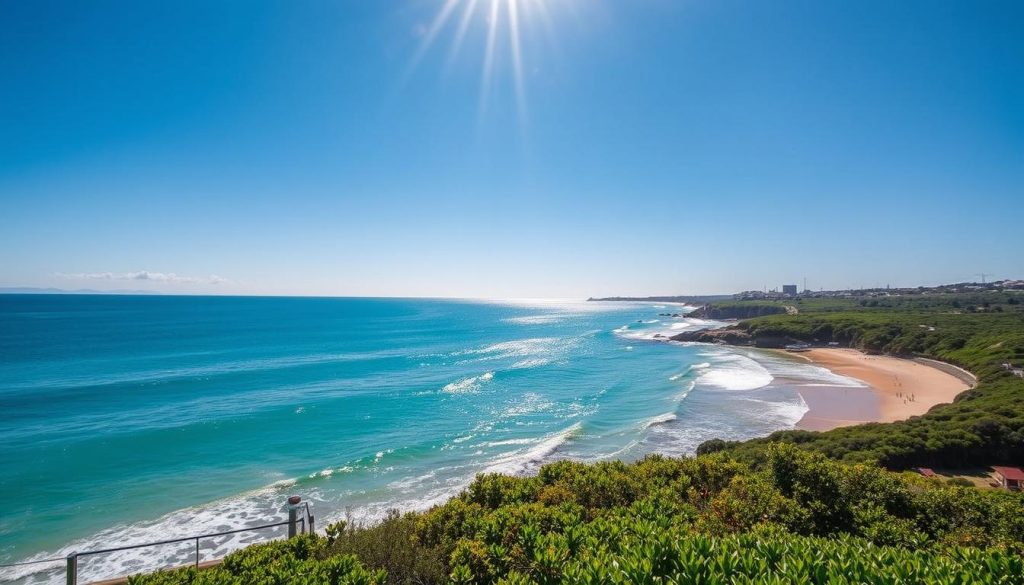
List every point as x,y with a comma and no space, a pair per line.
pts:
1009,477
789,289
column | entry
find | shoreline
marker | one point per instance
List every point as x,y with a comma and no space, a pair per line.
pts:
899,388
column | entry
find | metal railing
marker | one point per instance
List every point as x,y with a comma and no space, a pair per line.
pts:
296,525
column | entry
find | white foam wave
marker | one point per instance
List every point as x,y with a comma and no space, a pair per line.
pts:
781,414
263,506
659,420
530,403
804,373
515,348
700,366
686,392
644,330
538,319
731,417
505,442
530,363
468,385
732,371
416,493
527,353
525,460
618,452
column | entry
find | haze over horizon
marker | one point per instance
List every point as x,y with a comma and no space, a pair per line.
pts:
555,148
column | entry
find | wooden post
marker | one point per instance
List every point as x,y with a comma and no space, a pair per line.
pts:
73,569
293,515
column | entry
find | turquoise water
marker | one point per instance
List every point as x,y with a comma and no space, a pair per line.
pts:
129,419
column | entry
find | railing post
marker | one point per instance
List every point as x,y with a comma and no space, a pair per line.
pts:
197,552
312,529
73,569
293,515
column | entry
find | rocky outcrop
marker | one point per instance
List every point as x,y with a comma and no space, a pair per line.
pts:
734,336
728,336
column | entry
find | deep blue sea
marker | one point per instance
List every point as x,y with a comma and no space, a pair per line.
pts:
129,419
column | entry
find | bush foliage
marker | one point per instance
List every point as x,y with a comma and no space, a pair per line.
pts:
799,518
298,561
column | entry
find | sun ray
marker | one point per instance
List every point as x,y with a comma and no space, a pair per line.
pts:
539,8
492,36
506,21
431,35
460,34
517,57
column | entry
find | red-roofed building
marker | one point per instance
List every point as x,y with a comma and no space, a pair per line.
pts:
1009,477
926,471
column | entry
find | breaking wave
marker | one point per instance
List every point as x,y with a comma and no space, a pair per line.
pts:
732,371
526,460
659,420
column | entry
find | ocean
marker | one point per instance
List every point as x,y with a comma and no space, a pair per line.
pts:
128,419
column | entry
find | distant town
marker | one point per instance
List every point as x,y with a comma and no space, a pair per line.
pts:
791,291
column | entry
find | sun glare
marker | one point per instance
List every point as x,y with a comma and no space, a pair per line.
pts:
504,21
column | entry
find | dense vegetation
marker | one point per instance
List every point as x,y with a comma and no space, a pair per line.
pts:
796,507
737,310
978,332
801,518
298,561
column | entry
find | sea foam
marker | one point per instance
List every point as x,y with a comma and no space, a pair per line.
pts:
732,371
468,385
805,373
523,461
659,420
258,507
538,319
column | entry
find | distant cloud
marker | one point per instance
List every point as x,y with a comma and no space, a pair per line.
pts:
168,277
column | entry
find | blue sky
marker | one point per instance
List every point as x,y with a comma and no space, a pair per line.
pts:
658,146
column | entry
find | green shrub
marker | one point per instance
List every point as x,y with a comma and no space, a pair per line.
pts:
299,561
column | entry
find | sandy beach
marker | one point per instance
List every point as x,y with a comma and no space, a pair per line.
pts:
900,388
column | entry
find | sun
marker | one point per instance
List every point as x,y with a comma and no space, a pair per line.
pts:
503,19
